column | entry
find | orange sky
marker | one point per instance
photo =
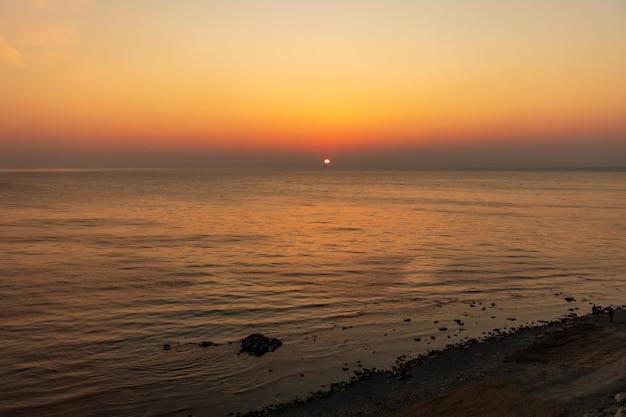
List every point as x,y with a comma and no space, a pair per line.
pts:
323,77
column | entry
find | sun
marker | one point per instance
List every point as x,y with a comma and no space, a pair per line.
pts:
326,161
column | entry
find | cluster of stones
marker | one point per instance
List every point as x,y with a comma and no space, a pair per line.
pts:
203,344
401,369
256,344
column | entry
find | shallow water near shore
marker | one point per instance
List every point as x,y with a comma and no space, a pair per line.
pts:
350,270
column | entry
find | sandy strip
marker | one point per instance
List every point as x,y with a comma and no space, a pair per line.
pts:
570,368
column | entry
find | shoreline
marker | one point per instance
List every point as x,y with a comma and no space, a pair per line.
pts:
567,367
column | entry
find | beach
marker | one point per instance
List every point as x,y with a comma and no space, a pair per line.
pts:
571,367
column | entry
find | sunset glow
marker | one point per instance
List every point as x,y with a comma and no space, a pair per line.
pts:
106,79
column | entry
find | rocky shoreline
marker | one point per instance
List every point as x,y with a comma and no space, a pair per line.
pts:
569,367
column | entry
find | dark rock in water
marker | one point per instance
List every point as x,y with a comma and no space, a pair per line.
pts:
167,347
258,345
207,344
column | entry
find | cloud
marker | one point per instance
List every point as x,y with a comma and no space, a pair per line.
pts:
10,55
38,31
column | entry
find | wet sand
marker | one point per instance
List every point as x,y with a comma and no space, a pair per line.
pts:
569,368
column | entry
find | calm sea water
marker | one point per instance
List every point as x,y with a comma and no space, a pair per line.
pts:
100,269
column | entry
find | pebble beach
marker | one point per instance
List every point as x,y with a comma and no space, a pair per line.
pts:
570,367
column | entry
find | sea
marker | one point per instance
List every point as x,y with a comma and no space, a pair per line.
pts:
350,270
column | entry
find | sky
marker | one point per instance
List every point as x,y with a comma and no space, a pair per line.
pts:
366,83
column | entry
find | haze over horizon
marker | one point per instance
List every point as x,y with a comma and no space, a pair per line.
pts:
274,83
